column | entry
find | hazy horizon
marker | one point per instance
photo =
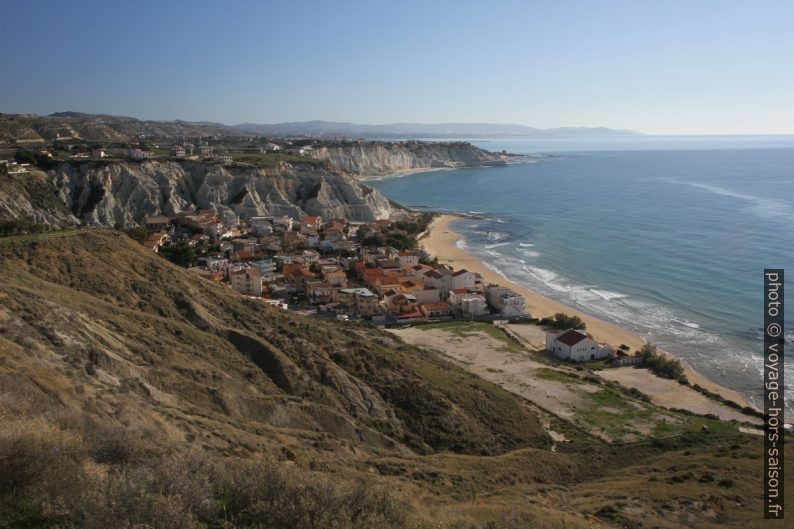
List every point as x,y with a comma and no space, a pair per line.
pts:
710,68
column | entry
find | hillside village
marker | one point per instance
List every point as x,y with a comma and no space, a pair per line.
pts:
367,271
333,268
218,148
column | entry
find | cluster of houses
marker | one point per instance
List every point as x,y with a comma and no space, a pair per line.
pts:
206,152
410,289
322,265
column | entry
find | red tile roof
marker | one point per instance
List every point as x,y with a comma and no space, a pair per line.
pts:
440,305
460,290
571,337
460,272
409,315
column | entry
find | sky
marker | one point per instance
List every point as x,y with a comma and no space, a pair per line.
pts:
659,67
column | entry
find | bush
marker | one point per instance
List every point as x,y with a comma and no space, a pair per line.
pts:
139,233
661,365
180,253
40,474
564,321
21,227
273,495
50,477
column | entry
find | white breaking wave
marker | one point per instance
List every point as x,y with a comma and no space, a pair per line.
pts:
526,245
607,295
497,245
498,235
686,323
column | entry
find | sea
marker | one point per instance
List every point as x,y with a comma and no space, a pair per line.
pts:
667,236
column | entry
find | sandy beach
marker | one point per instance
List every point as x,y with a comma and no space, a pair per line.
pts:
440,241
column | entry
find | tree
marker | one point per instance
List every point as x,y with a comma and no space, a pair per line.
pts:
181,253
662,365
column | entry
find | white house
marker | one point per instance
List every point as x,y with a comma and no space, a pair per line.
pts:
408,258
463,279
427,295
508,303
468,303
137,154
440,278
575,346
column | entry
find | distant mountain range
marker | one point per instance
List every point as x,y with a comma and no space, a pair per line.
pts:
422,130
103,127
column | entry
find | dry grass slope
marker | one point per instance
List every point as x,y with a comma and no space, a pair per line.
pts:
174,402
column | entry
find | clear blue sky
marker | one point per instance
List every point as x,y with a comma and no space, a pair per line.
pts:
658,66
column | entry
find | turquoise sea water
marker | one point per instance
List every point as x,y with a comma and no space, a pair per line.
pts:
667,236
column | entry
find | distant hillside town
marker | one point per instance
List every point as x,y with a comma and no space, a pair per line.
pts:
333,267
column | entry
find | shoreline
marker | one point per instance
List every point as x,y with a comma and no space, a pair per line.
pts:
440,241
405,172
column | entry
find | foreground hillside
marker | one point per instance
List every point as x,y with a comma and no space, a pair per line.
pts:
174,402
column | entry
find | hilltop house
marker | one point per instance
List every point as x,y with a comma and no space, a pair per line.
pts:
575,346
137,154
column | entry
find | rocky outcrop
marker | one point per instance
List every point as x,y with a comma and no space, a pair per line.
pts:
123,193
382,158
31,197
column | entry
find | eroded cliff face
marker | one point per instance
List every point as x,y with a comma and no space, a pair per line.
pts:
124,193
382,158
31,197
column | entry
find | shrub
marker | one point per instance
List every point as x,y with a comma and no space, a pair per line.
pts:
273,495
40,474
564,321
21,227
661,365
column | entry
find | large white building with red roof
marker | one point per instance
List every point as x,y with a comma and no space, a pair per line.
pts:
575,346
